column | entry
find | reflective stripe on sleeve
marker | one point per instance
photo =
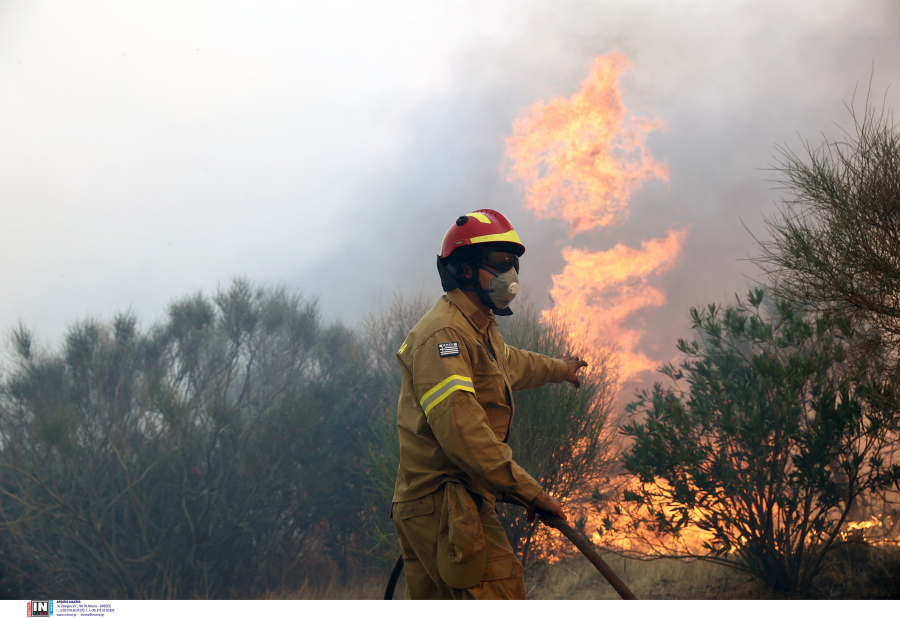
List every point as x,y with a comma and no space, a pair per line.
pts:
403,347
443,390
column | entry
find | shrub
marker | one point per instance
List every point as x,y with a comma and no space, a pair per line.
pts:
834,242
764,442
209,457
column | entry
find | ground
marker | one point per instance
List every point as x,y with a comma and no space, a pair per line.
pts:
854,572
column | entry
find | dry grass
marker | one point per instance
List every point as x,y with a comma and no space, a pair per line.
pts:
576,578
355,590
854,572
858,571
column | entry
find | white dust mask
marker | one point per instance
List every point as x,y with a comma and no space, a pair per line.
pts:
503,287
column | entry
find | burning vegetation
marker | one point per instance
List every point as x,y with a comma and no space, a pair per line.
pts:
743,482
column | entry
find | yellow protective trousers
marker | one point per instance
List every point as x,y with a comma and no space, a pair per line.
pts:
419,526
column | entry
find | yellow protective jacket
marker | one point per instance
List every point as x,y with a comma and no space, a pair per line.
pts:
456,403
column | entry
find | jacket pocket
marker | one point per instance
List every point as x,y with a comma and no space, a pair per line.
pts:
489,383
413,508
491,392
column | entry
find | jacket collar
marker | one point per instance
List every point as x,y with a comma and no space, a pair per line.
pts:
472,313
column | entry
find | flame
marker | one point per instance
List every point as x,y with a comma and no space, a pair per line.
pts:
601,290
580,159
858,530
691,540
862,525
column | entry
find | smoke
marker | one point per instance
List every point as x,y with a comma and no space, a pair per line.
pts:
725,82
149,150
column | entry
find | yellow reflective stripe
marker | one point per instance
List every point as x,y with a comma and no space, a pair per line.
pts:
507,350
443,390
403,347
509,236
455,386
442,383
480,216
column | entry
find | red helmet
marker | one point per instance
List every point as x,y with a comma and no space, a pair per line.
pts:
481,226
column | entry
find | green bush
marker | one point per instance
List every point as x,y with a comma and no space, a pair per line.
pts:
834,242
765,441
213,456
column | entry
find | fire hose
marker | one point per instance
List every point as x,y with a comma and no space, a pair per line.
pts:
583,545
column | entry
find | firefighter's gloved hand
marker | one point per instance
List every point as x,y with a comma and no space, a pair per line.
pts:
546,503
574,363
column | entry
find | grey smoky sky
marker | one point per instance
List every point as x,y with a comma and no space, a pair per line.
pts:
151,149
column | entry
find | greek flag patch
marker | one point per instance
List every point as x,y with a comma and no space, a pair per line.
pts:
448,349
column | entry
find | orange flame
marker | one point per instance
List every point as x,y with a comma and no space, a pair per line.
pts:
580,159
601,290
690,540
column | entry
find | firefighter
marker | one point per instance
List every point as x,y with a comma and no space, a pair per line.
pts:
454,416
